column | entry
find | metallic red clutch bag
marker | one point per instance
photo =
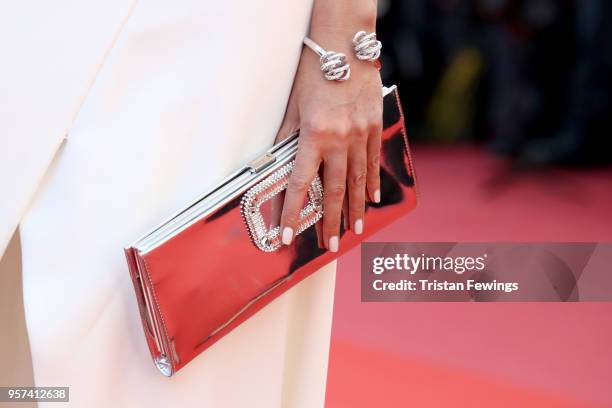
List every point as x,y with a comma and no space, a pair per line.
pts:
218,257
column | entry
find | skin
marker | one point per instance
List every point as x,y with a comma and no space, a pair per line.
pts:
340,124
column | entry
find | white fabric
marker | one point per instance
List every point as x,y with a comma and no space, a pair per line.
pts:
189,91
51,51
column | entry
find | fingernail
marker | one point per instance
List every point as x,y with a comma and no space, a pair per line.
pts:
333,243
287,235
377,196
358,226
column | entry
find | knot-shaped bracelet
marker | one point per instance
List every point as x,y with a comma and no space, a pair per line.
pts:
333,64
367,47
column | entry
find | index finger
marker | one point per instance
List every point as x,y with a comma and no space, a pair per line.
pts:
306,165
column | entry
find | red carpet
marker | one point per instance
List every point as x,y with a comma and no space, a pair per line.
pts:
486,354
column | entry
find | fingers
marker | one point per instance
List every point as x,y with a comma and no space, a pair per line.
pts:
307,162
351,171
373,161
356,180
334,189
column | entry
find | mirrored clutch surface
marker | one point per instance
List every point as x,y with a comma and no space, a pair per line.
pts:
218,261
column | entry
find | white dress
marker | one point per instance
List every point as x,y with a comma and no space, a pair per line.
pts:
178,95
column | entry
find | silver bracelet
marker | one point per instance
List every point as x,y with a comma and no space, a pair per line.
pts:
367,47
333,64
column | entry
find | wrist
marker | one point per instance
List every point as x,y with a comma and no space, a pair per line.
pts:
333,27
338,18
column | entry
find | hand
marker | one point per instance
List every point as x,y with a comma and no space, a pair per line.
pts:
340,127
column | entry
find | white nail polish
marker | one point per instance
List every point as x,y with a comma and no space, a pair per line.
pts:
377,196
287,235
333,243
358,226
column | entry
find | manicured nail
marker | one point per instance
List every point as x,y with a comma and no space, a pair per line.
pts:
333,243
358,226
377,196
287,235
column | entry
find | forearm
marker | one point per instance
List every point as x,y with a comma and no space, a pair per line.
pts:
334,22
340,123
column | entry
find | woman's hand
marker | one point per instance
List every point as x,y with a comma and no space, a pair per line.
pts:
340,127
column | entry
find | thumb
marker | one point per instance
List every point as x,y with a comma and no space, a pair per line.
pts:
291,121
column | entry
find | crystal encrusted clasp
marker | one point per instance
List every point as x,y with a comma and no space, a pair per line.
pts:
268,239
